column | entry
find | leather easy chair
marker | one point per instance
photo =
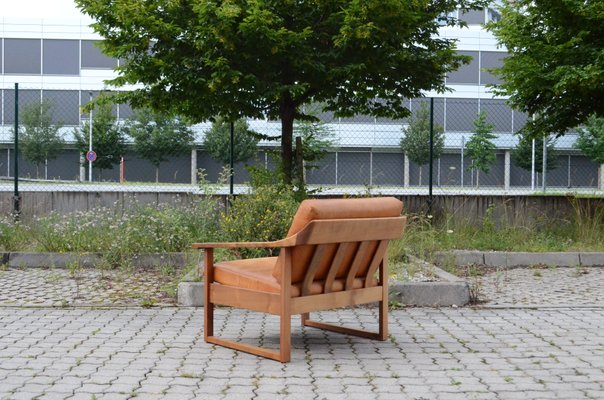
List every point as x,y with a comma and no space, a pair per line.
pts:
335,255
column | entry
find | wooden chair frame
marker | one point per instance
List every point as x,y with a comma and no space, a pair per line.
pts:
344,232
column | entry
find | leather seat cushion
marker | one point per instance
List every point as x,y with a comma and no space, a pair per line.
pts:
256,274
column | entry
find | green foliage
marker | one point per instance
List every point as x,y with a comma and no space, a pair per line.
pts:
119,236
522,154
317,139
217,141
107,138
582,230
261,58
13,235
264,214
480,148
591,139
555,69
158,136
39,137
416,139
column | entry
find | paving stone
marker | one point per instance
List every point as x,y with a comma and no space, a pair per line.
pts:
543,287
447,353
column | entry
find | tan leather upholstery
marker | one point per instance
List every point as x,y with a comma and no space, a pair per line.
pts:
256,274
310,210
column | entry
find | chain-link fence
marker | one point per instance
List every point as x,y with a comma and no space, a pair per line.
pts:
364,153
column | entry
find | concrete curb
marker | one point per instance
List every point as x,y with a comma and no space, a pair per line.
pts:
521,259
449,291
87,260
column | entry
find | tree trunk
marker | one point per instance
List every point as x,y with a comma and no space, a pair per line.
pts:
477,178
157,174
420,175
300,162
288,109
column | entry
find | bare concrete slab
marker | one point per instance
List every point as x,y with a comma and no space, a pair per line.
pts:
190,294
592,259
495,259
55,260
460,257
557,259
431,294
522,259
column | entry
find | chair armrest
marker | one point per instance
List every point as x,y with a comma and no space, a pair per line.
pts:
287,242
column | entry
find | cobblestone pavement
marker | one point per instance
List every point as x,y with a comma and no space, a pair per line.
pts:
437,354
60,287
554,348
541,287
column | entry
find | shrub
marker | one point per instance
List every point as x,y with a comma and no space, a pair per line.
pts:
263,215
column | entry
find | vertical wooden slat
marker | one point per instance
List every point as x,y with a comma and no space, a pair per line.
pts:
208,314
335,265
285,317
356,264
383,318
312,268
375,261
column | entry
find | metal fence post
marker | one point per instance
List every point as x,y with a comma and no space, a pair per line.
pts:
16,195
431,168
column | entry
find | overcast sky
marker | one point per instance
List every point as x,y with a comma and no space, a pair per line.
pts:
64,9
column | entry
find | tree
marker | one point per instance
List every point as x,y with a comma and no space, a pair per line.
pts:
555,70
107,138
158,136
217,141
316,139
480,148
265,59
416,139
591,139
40,139
523,153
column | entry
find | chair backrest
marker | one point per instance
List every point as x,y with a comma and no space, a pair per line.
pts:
343,238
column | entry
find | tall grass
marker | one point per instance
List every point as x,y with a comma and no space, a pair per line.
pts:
581,231
118,235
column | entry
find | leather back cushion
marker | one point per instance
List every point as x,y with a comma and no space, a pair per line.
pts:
309,210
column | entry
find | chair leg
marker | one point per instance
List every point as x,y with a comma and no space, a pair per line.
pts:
383,321
208,306
304,317
286,338
208,312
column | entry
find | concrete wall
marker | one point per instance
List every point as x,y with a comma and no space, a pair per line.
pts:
511,209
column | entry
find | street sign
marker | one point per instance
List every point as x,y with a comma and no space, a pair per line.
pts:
91,155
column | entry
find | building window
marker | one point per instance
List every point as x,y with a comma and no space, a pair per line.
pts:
498,113
490,59
461,114
26,97
92,57
472,17
61,57
65,106
493,15
467,73
22,56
